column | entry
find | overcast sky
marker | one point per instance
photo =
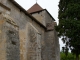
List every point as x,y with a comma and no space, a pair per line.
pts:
50,5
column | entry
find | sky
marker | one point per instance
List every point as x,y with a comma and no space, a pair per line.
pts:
50,5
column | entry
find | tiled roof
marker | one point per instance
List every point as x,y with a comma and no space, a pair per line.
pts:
34,8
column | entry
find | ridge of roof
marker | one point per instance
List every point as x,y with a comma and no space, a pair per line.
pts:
34,8
22,9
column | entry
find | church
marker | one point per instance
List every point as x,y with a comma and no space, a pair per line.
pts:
27,34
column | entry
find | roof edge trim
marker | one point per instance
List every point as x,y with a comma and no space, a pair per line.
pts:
22,9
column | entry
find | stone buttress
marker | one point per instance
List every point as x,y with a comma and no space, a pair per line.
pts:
9,36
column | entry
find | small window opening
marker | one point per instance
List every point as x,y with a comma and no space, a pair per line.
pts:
11,32
13,42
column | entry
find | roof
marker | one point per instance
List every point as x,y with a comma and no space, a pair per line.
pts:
35,8
26,13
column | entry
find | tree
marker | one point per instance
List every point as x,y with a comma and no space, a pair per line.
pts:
69,25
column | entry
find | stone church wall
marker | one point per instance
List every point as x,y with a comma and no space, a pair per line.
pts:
50,44
48,19
23,21
3,1
9,41
13,43
2,42
40,16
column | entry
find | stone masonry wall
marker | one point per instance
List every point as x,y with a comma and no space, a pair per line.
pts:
3,1
34,45
22,21
50,24
10,39
50,48
2,41
13,43
40,16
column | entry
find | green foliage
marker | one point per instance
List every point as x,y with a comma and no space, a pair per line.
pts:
68,57
69,25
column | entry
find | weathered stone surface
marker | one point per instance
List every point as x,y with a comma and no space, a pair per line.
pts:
13,51
9,39
2,42
40,17
50,26
34,47
3,1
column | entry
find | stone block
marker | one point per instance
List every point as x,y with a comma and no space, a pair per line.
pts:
50,26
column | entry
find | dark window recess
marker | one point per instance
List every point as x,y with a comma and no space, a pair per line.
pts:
11,32
13,42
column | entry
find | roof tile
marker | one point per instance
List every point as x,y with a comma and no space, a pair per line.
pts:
34,8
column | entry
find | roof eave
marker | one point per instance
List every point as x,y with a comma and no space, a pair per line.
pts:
22,9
